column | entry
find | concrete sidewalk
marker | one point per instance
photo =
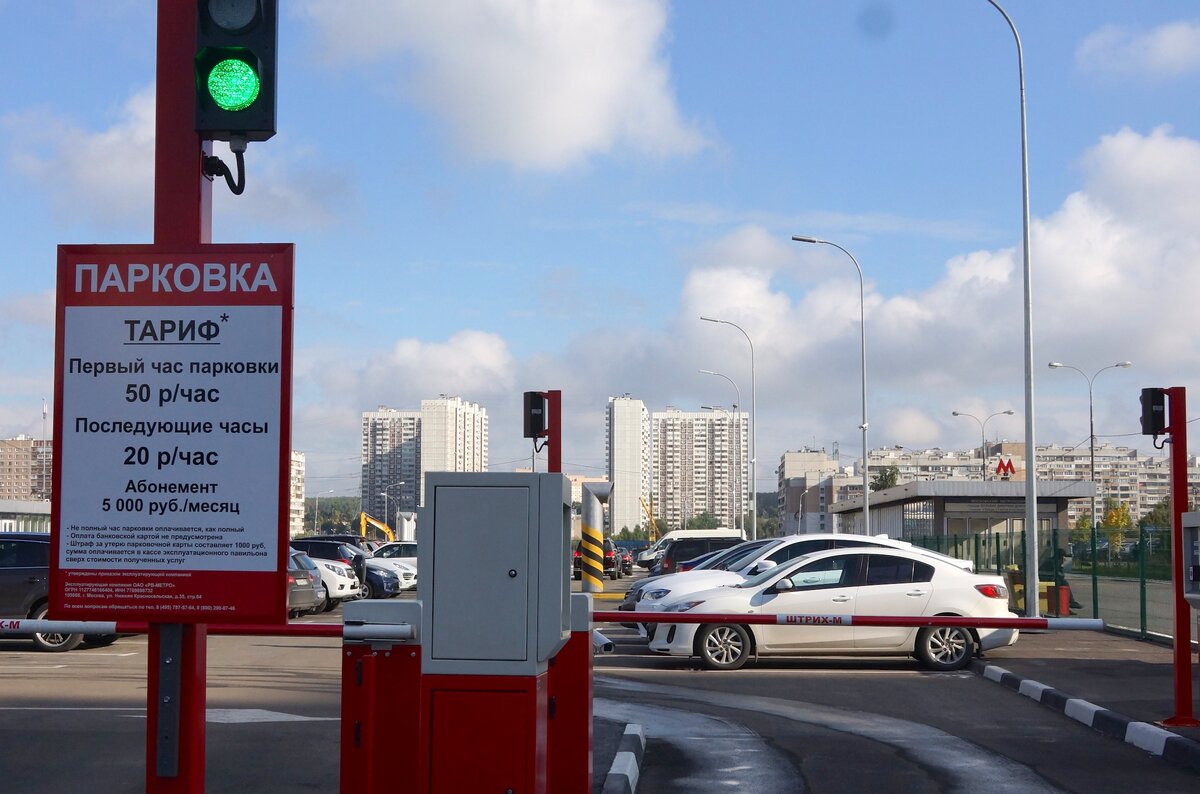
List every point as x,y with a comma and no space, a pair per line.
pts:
1121,686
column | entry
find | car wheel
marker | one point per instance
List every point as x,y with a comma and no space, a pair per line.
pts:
327,603
330,603
613,575
725,646
367,590
945,647
54,643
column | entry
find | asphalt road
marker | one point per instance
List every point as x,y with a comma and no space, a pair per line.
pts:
76,722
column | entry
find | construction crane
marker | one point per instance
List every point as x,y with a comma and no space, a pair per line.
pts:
364,519
651,528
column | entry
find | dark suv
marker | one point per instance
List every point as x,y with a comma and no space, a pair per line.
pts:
24,589
687,548
326,548
611,568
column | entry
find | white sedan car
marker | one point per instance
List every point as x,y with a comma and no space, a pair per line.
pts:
811,592
757,559
339,582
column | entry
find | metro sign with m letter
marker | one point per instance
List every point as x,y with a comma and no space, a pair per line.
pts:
1005,468
172,433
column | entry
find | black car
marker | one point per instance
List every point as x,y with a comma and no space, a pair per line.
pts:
24,589
687,548
625,558
381,583
611,569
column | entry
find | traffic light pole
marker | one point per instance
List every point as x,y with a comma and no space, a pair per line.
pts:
176,667
1177,428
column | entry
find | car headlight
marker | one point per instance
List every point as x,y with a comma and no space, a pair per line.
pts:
682,606
655,595
388,575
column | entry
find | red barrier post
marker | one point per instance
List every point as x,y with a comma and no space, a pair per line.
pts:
381,703
1177,428
182,215
569,734
554,430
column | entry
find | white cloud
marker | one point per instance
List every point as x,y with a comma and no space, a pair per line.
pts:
105,177
538,85
1167,51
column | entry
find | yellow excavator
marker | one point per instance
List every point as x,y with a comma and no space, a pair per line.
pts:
364,520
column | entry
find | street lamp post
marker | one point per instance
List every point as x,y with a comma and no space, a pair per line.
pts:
862,317
317,510
387,488
982,436
1031,533
1092,463
753,431
729,423
741,491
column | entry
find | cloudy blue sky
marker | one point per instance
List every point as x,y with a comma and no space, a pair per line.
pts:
493,196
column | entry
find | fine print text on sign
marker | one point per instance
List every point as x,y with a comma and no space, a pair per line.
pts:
172,441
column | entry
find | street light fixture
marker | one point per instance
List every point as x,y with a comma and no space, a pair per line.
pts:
862,317
1092,462
317,510
737,503
387,488
982,437
753,431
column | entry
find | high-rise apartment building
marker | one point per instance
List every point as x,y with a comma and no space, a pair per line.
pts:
699,465
296,495
398,447
26,468
627,449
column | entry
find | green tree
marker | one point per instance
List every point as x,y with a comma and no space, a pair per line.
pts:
705,520
886,477
1159,515
1116,521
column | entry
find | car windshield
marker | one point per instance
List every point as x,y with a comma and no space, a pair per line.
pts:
748,556
304,561
388,551
774,570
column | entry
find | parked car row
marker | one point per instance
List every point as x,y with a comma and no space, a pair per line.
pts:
321,573
823,575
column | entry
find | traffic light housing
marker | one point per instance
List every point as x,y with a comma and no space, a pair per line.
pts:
1154,411
535,414
236,44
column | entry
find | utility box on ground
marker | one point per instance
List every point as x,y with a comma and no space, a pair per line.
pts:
495,572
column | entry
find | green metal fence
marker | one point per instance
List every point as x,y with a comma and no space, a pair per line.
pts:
1121,576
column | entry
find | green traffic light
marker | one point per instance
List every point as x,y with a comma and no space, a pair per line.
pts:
233,84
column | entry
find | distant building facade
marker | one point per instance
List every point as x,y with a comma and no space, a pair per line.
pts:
398,447
627,449
699,465
296,495
26,468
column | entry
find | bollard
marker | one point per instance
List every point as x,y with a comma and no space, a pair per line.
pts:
569,735
380,680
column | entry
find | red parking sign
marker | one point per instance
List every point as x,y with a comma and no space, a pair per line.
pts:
172,433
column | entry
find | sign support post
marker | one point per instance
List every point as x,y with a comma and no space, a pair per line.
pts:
183,216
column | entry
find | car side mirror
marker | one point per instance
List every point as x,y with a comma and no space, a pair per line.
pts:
783,585
762,565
